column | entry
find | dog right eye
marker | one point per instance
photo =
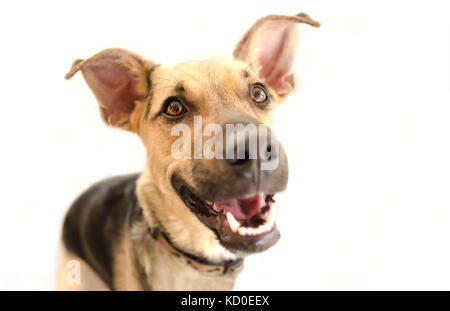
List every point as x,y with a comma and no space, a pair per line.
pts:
259,95
173,108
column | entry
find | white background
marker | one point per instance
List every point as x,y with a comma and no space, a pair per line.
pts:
367,133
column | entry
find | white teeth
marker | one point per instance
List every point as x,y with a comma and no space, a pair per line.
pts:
234,224
260,230
242,231
215,207
268,224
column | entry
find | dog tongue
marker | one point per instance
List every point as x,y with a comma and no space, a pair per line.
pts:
242,208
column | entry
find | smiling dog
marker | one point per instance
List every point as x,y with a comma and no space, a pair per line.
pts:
184,223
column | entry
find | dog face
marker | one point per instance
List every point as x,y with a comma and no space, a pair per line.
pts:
220,192
205,201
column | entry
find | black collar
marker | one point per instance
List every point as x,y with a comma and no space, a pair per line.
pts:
200,264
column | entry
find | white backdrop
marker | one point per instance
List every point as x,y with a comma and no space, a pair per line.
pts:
367,134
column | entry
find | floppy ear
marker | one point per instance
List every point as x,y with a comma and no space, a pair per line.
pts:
270,45
117,78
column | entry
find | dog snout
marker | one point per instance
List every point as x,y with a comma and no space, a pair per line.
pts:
250,148
252,161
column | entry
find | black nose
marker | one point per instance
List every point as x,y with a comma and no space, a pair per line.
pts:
247,149
248,161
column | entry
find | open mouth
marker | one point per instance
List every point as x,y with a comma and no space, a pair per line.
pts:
248,216
241,224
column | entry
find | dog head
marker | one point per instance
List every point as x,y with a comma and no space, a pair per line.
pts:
214,165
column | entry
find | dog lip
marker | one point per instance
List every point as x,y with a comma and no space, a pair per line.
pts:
190,198
248,244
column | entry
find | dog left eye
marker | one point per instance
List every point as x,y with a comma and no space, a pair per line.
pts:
174,108
258,94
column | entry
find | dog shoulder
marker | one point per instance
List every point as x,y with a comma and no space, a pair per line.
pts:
96,219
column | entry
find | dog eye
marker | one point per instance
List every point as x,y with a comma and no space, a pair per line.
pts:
258,94
174,108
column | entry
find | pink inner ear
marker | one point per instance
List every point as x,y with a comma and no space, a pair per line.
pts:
275,58
115,87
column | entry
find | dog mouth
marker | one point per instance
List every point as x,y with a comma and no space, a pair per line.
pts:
250,216
245,224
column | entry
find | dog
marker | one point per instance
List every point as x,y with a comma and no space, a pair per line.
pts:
184,223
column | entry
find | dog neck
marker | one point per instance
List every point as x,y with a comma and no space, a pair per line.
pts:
160,265
199,264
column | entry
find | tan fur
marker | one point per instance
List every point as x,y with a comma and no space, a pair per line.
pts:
125,274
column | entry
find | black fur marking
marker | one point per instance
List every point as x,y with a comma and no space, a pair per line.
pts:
96,219
179,88
147,108
150,91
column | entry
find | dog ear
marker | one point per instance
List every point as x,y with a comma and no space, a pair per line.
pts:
270,45
117,78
